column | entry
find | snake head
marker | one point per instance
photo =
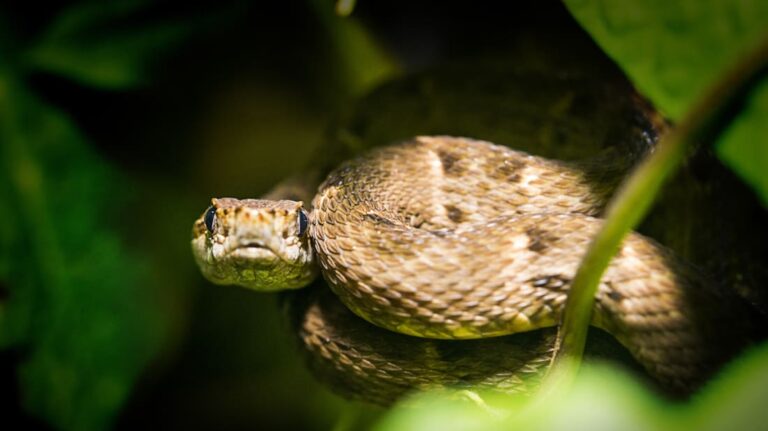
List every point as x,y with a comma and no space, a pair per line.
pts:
254,243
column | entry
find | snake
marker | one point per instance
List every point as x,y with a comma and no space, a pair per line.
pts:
448,245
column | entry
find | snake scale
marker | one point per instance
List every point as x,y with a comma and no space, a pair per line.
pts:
450,238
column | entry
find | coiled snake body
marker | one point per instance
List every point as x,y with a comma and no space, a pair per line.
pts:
452,238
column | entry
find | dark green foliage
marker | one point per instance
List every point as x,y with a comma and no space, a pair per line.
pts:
85,313
673,51
76,304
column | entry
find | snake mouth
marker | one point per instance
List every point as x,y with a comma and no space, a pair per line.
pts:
255,251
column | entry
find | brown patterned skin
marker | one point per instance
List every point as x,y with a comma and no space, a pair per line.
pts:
365,362
453,238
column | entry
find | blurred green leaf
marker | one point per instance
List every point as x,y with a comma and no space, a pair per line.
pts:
89,43
736,399
673,51
436,412
602,398
77,307
744,146
362,62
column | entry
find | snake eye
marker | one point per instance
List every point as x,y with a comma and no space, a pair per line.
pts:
210,218
303,222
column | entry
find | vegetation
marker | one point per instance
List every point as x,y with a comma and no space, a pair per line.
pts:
118,119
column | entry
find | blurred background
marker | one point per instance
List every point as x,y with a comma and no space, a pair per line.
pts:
119,121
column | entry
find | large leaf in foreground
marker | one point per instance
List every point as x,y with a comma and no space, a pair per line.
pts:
602,398
673,51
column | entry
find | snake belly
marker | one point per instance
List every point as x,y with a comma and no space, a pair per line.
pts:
452,238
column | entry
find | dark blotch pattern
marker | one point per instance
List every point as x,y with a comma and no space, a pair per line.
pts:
506,169
454,214
449,162
539,240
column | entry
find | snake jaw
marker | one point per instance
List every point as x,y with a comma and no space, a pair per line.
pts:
255,244
259,253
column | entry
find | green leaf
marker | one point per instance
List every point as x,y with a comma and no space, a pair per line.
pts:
736,399
89,44
77,307
744,146
673,51
602,398
361,61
